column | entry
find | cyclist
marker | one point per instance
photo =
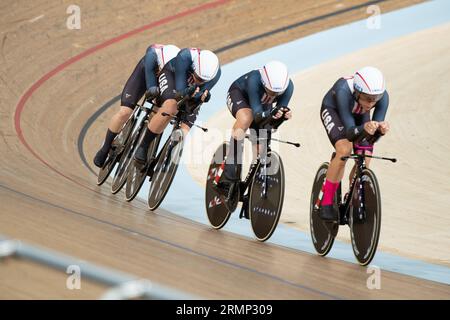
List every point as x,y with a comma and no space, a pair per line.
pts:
251,100
143,78
345,115
191,67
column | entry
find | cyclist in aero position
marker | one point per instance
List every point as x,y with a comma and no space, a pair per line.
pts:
191,67
250,100
345,114
143,78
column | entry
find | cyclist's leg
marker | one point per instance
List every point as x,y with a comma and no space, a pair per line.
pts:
118,120
259,144
242,112
134,89
158,122
334,175
336,169
336,134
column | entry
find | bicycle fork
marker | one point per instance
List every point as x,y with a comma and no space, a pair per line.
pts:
166,160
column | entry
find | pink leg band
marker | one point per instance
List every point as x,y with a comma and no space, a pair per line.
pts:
329,189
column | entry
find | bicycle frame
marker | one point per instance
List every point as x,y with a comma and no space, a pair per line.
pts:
140,110
143,110
251,173
254,166
177,121
344,208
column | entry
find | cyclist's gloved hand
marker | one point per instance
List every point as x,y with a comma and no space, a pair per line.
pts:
287,113
197,97
383,127
188,91
376,136
283,114
207,96
261,117
152,93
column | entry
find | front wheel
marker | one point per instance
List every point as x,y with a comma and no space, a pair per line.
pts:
165,169
365,224
266,197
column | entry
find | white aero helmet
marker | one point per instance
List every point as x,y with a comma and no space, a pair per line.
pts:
369,81
205,63
166,53
275,77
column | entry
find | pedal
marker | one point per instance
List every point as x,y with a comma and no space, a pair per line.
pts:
242,197
110,157
141,167
343,220
112,150
151,169
222,188
333,227
150,175
232,197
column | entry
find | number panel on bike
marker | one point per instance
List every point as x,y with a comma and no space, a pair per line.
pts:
216,209
265,210
365,230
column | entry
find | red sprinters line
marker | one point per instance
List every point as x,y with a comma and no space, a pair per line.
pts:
367,85
21,105
267,75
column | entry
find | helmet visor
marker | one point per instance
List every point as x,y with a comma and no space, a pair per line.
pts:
272,93
371,97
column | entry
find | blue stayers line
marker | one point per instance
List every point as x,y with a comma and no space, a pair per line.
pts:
186,198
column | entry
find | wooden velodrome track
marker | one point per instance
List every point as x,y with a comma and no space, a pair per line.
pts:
49,197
